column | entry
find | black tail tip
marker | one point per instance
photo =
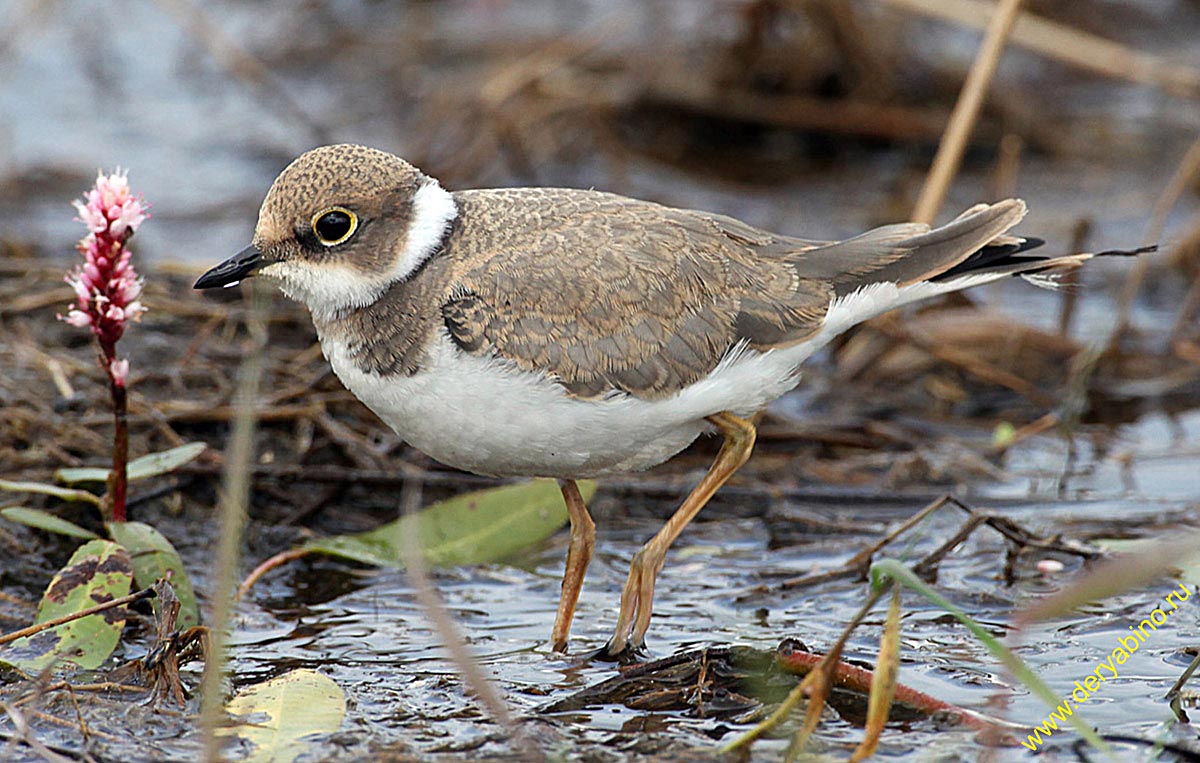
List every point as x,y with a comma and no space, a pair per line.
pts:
1128,252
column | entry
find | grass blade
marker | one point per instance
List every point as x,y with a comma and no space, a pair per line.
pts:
44,520
143,467
890,569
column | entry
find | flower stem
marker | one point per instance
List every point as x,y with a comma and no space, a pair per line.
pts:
117,478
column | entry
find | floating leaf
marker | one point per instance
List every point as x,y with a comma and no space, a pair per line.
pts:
98,571
65,493
153,555
281,712
44,520
150,465
474,528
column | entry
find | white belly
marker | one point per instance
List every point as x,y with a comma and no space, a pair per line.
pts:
488,417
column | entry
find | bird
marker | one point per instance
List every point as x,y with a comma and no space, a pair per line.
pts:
571,334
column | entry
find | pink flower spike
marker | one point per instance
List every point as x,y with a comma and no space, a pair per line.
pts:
126,217
92,217
80,288
120,371
76,318
112,189
108,291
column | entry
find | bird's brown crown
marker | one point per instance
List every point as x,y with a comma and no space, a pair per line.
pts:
345,203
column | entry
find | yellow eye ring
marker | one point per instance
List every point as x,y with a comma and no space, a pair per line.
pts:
334,225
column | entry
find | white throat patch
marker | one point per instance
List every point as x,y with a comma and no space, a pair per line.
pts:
329,289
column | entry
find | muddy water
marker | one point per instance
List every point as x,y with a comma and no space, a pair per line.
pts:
135,85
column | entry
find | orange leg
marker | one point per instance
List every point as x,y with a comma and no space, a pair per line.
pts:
633,619
579,555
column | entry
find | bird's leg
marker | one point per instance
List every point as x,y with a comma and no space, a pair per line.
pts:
579,554
633,619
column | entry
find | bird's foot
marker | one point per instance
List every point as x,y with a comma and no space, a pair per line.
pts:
628,654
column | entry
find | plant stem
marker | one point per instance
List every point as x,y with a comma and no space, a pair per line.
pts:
114,498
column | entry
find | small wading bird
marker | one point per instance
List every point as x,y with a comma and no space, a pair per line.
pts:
553,332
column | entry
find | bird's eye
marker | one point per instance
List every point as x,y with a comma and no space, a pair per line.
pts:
334,225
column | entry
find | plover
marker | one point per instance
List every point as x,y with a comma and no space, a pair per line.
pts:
554,332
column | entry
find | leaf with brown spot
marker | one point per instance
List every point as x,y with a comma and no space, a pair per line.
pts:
98,571
153,557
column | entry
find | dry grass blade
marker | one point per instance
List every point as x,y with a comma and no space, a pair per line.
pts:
884,680
1111,577
417,568
815,686
1070,46
966,111
234,501
1185,173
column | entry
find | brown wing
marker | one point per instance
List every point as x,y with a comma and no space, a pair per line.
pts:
649,300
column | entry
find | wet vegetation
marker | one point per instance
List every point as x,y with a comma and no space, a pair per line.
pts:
400,615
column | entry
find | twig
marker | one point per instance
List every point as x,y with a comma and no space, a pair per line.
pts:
26,735
278,560
966,111
860,562
145,593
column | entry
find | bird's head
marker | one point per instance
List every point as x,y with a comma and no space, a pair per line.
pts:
340,224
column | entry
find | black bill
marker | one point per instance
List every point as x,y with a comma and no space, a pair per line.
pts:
232,270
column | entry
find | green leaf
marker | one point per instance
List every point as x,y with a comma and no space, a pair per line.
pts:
98,571
150,465
474,528
281,712
65,493
44,520
152,556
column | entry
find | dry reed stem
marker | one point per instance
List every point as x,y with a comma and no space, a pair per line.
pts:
1069,46
443,623
1068,280
966,112
1188,169
235,498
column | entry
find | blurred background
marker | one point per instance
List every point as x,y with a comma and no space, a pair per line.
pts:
810,117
